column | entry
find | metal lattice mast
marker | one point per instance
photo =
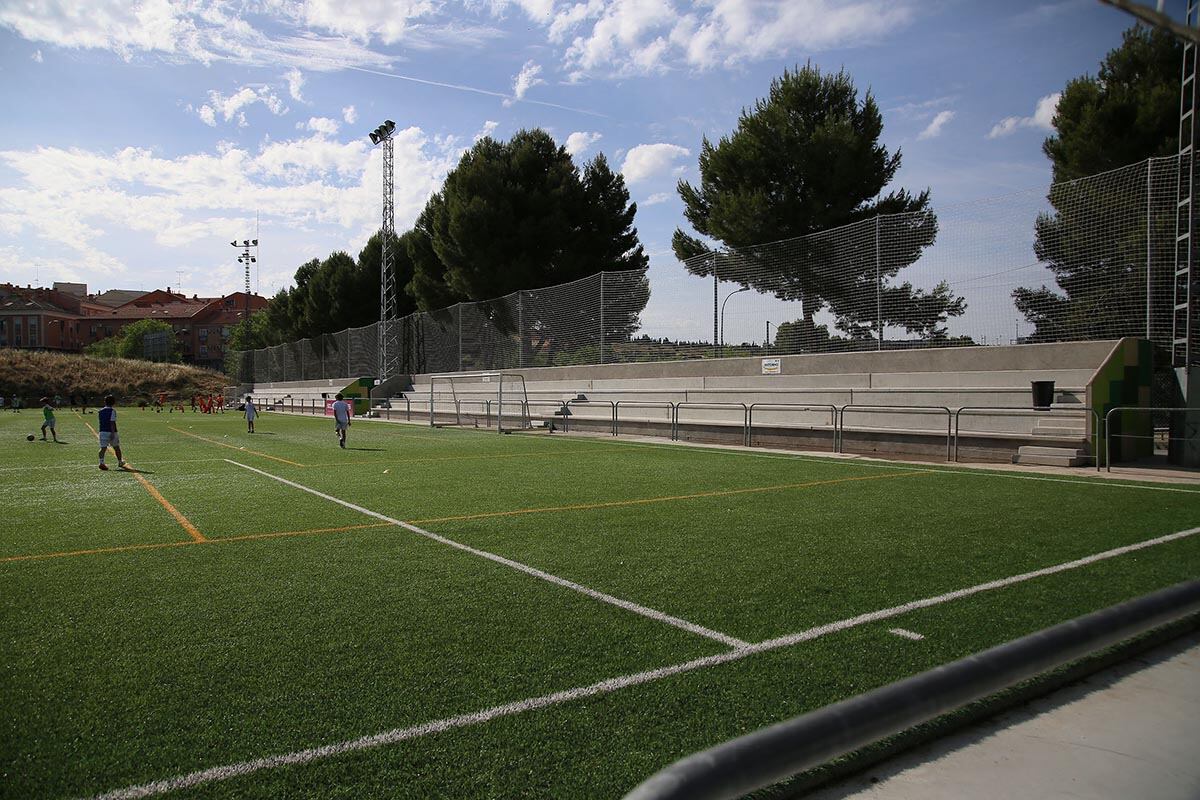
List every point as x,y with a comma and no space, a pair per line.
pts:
388,306
1182,340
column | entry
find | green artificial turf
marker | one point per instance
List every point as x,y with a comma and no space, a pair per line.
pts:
130,652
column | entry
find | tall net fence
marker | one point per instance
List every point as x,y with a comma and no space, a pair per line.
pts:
1093,258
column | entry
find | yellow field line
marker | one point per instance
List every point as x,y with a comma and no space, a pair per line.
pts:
183,521
160,545
648,500
234,447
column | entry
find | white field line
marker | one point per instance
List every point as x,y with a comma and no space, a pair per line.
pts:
645,611
603,687
905,633
833,458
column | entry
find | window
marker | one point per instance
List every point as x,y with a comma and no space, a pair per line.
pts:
203,351
33,331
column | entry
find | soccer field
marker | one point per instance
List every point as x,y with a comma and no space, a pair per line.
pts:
455,613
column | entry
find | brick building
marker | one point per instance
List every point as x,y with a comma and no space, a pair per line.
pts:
68,319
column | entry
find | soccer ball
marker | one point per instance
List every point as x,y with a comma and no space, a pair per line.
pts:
29,438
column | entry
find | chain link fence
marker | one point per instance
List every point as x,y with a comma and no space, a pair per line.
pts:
1091,259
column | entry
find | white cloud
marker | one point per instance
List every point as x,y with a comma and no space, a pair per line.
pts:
648,161
934,128
525,80
350,115
387,21
205,32
37,56
1042,119
645,36
657,198
295,82
489,127
231,108
580,142
323,126
320,191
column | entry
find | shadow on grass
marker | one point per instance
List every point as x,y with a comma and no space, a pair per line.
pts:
368,449
138,471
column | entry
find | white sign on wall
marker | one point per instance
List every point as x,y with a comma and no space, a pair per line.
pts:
772,366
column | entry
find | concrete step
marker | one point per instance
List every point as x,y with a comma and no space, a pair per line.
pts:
1060,431
1051,456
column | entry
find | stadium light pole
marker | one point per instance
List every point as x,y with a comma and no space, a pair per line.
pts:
388,306
246,258
723,302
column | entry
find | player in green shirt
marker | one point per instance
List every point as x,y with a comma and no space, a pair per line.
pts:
48,413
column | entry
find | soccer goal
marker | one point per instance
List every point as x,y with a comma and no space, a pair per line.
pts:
472,396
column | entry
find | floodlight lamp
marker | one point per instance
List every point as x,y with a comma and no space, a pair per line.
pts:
234,244
239,259
245,242
374,137
254,242
389,125
253,259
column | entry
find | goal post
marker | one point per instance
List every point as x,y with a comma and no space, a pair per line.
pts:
498,392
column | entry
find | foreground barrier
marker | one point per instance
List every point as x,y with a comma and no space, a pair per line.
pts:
768,756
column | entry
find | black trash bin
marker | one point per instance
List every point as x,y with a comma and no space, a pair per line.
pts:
1043,393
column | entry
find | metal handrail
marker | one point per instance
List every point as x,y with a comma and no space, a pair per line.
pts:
701,404
556,403
1027,412
1108,426
667,404
896,410
612,412
767,756
786,406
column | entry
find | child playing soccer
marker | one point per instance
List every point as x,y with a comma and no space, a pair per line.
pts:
341,420
48,422
250,414
108,432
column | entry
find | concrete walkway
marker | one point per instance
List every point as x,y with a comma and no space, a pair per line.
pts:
1131,731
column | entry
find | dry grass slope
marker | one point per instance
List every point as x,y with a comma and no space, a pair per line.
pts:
32,374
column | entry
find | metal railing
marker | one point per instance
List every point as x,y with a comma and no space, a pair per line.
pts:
1108,427
773,754
896,410
698,404
612,409
1002,411
661,404
791,407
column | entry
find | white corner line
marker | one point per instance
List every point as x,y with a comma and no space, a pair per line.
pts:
603,687
628,605
906,634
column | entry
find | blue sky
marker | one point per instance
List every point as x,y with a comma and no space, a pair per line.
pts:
139,138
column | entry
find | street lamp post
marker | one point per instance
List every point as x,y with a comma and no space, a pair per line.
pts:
767,343
723,302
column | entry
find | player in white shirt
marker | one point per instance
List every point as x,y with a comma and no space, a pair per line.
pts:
341,419
250,414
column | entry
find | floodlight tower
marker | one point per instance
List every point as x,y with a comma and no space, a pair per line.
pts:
388,306
247,259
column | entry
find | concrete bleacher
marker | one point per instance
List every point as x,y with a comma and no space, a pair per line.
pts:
911,395
295,395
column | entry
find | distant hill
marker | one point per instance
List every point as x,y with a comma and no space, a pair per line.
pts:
33,374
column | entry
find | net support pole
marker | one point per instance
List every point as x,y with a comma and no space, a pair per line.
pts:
601,317
878,291
1149,171
716,284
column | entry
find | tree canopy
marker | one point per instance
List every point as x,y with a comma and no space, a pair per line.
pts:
807,159
1095,240
519,215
